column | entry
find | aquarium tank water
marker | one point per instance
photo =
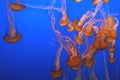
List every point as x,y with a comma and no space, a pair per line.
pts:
59,40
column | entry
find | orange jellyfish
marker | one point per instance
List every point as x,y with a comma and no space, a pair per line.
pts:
64,21
78,39
76,26
95,2
111,58
70,27
57,73
106,1
99,44
110,21
88,62
77,1
111,49
74,59
17,6
13,35
88,31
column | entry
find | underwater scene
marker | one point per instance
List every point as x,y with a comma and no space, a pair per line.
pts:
59,40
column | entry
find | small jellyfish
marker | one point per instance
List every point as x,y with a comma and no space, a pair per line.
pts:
12,39
106,1
88,31
55,74
17,6
64,21
76,26
13,36
111,49
88,62
111,21
112,59
78,39
77,0
70,28
95,2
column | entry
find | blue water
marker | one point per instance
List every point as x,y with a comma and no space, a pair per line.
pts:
33,56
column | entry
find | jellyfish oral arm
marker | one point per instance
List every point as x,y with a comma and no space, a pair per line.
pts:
57,62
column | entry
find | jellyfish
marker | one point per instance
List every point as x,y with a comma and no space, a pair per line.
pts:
76,26
88,62
17,6
106,1
77,0
70,27
13,35
74,59
95,2
110,21
78,39
57,73
88,31
112,59
64,21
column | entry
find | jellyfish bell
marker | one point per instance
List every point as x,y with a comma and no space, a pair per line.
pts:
77,0
78,40
70,28
95,2
106,1
92,50
112,59
101,45
56,73
110,21
111,49
88,31
73,62
64,21
76,26
96,44
17,6
13,39
88,62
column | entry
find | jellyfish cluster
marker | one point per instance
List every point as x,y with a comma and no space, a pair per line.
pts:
102,29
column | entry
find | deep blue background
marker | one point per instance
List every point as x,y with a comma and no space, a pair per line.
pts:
33,57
